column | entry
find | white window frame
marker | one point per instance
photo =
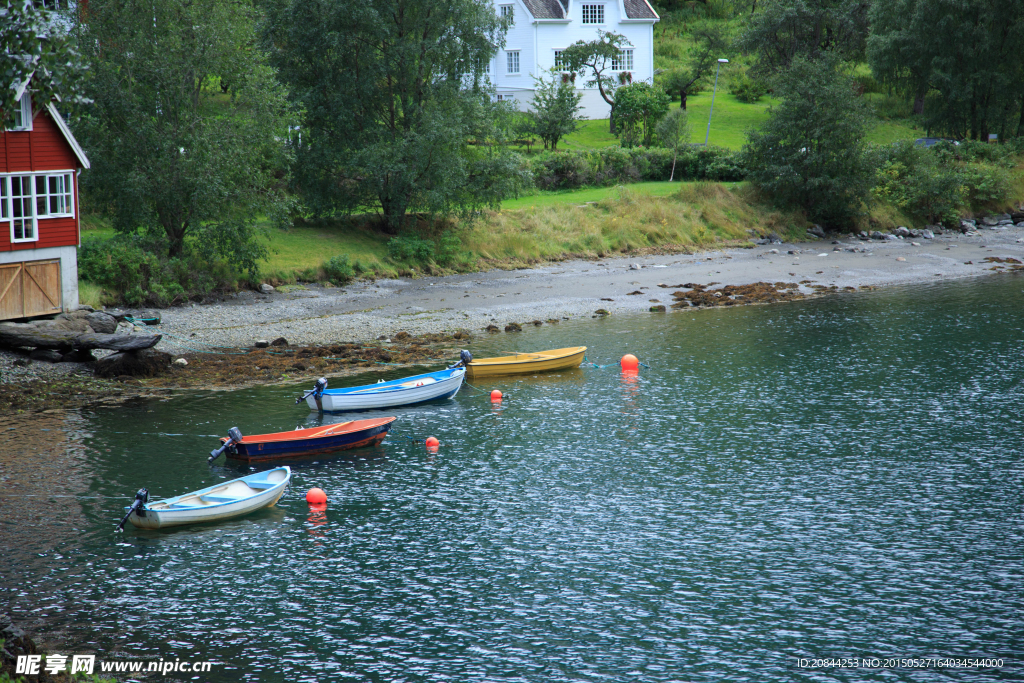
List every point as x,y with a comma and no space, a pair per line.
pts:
624,62
593,14
558,58
508,11
512,59
57,197
504,97
23,114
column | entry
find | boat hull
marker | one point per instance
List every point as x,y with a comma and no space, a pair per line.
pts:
254,449
527,363
196,507
391,394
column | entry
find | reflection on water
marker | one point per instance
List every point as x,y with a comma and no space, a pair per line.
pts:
830,478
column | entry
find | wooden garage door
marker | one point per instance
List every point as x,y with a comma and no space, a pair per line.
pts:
28,289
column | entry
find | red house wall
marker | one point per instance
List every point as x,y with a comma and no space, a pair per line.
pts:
43,148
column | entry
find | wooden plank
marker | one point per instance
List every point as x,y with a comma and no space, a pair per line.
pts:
44,297
10,291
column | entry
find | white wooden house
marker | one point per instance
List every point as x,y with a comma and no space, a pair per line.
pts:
541,29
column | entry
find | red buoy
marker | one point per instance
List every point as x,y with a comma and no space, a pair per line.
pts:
316,496
495,396
629,362
432,442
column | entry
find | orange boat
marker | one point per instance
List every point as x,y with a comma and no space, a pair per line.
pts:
303,442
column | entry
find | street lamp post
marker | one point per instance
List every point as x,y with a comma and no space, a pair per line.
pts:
717,69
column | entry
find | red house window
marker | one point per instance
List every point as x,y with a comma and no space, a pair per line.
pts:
24,199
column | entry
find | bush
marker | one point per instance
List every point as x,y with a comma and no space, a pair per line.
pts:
337,269
443,250
746,89
615,166
133,270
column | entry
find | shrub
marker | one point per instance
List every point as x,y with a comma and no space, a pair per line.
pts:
337,269
615,165
410,247
746,89
134,271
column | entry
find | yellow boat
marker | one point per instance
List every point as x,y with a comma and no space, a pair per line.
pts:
526,363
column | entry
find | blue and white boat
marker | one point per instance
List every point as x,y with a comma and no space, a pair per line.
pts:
398,392
221,501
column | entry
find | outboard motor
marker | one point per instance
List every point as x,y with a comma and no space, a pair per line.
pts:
317,392
465,358
234,436
141,498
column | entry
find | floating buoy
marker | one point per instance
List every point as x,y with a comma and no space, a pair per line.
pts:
629,362
495,396
432,442
316,496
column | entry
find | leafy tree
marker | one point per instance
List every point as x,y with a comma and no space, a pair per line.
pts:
595,58
171,153
556,108
784,30
34,44
971,53
639,108
710,43
393,92
674,133
810,151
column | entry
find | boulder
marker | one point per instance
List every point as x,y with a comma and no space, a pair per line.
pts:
48,355
657,309
989,221
181,362
78,356
1017,216
927,234
902,231
143,363
513,327
493,328
266,289
143,316
280,341
817,231
261,344
101,322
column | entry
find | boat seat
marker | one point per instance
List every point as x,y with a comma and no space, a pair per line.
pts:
260,485
218,499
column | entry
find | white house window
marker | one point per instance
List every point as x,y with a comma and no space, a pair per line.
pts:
593,14
24,199
508,11
512,61
505,97
559,62
23,113
624,62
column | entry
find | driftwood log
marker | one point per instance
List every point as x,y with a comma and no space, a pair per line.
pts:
45,337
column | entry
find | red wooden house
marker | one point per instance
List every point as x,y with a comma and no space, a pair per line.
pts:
39,234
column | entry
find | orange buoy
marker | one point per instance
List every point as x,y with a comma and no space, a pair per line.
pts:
495,396
629,362
432,442
316,496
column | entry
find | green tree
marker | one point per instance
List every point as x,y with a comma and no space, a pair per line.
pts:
35,47
595,58
674,133
171,153
784,30
393,93
810,151
556,108
639,108
971,53
710,43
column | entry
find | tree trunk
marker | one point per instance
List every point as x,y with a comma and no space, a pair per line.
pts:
673,173
42,337
611,121
682,100
919,101
1020,126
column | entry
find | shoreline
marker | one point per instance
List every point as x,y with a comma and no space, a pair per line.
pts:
340,330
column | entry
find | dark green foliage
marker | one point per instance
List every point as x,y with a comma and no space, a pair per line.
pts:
555,109
810,151
134,269
971,53
747,89
393,92
782,31
33,43
171,153
935,185
614,165
638,108
593,59
674,134
338,269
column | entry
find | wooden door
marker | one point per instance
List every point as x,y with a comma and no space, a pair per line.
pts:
29,289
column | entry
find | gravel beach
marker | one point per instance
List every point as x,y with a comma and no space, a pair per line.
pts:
364,311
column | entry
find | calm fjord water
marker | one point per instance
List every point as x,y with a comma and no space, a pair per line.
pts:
832,478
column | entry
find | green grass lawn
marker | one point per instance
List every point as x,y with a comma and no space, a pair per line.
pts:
589,194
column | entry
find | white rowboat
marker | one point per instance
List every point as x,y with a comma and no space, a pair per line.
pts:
397,392
222,501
